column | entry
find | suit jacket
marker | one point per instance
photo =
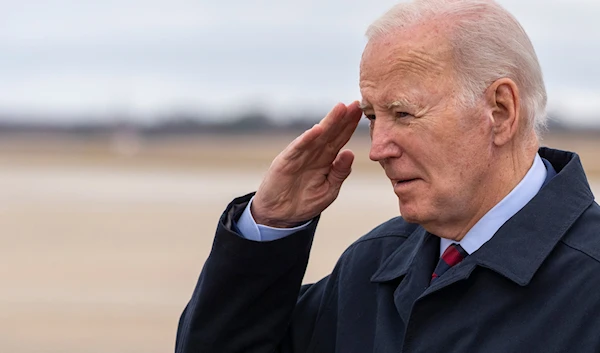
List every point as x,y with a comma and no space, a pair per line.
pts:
534,287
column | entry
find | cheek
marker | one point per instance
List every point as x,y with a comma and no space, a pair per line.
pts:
445,154
450,165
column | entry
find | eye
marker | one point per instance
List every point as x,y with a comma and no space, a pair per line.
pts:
370,117
402,115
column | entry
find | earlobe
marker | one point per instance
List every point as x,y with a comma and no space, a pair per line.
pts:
505,104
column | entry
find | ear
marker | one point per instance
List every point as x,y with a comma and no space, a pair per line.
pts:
503,99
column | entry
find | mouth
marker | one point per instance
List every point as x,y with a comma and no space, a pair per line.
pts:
403,185
404,181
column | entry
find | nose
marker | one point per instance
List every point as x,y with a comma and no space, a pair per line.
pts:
384,142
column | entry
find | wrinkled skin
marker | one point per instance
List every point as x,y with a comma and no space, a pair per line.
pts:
448,165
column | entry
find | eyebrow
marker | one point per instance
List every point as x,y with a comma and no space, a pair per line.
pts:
401,102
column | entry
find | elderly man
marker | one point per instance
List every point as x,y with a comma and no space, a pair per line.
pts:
498,246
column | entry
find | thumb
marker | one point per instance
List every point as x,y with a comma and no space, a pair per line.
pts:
341,168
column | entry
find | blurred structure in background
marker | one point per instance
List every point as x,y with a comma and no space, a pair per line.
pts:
127,126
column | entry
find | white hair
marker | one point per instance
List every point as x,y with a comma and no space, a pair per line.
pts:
488,43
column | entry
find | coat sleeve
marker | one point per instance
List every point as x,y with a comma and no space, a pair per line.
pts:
249,296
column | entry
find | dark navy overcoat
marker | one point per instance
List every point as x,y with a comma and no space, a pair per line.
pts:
534,287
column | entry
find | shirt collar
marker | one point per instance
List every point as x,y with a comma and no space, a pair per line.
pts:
489,224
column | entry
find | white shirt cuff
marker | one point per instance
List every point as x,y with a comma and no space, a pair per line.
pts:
257,232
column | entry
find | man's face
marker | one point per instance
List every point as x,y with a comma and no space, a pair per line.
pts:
435,152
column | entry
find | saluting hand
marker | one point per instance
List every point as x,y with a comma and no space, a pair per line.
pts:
306,177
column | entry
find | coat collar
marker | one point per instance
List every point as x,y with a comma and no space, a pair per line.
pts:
399,262
521,245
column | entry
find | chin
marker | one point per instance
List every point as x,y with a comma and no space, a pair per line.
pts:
410,214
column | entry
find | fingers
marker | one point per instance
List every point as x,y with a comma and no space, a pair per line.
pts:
349,125
332,119
302,142
341,168
308,137
334,130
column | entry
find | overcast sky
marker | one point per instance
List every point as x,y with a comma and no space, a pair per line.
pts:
151,57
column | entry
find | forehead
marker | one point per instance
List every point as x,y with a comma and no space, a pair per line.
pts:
407,58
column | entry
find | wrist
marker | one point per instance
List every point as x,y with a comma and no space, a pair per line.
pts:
275,223
272,222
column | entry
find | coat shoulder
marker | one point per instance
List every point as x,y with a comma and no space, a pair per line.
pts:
396,227
381,239
364,257
584,236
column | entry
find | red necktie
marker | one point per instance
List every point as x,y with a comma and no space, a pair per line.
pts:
452,256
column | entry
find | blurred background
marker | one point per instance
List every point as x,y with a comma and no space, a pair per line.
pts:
127,126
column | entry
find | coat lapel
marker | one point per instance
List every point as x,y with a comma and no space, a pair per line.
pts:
412,265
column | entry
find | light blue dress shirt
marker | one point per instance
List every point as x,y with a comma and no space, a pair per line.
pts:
257,232
478,235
